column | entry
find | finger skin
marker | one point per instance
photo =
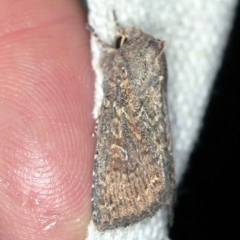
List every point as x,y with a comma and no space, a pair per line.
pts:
46,101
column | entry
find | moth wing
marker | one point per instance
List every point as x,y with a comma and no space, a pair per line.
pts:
131,171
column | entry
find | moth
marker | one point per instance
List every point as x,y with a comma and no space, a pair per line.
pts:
133,173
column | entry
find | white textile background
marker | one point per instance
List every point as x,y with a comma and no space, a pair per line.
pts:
196,33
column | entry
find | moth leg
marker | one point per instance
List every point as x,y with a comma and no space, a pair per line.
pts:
162,46
171,208
95,128
96,123
106,47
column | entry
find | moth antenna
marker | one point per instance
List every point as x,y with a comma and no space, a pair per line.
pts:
119,28
115,18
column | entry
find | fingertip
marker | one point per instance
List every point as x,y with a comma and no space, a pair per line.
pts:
46,103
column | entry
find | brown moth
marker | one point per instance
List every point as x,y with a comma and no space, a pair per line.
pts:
133,170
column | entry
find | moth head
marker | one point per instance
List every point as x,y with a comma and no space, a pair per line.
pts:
125,35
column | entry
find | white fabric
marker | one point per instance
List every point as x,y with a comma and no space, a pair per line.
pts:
196,33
